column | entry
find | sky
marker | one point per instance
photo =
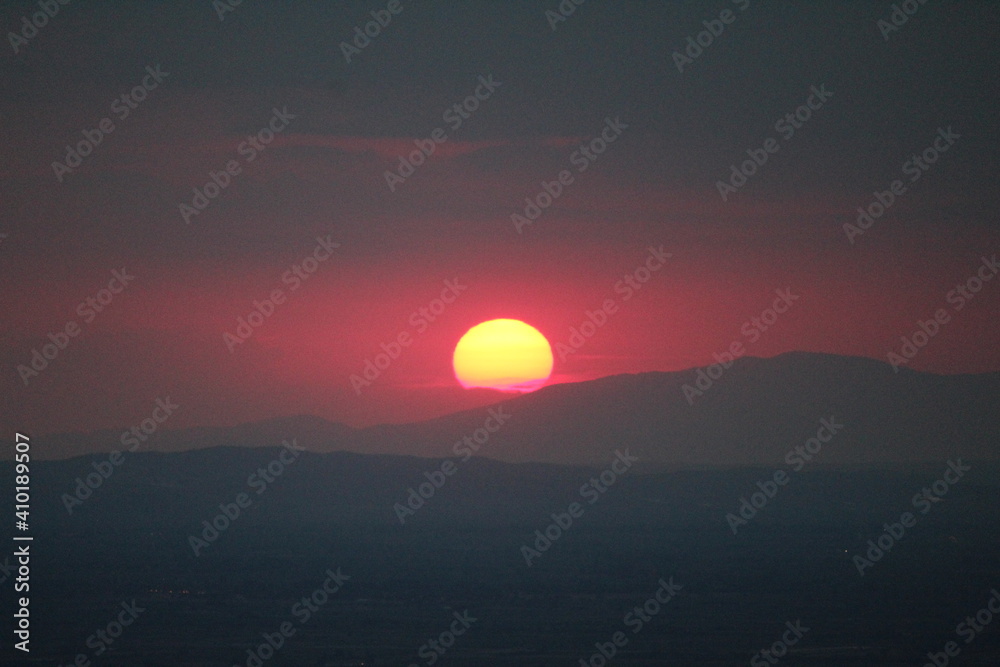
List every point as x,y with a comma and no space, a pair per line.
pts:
644,109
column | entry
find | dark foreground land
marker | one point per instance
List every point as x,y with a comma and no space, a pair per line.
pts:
460,556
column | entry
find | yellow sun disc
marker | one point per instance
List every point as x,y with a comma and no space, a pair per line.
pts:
508,355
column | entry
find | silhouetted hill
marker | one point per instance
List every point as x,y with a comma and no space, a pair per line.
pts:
134,536
753,414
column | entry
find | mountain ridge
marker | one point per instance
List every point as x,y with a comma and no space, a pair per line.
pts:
671,418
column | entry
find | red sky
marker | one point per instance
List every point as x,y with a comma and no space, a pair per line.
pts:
324,177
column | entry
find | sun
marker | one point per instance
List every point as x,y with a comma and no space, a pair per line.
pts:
508,355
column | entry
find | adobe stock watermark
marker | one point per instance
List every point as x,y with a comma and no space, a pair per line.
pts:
957,298
779,649
636,620
223,7
563,11
131,439
465,448
898,17
714,28
628,286
592,491
969,629
48,9
915,168
22,584
420,320
434,648
796,459
381,18
581,158
752,330
303,610
88,310
786,126
249,149
122,107
454,116
292,279
105,636
880,546
259,481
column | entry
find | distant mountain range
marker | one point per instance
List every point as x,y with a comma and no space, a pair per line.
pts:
222,540
753,413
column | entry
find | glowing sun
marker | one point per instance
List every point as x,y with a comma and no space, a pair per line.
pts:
508,355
